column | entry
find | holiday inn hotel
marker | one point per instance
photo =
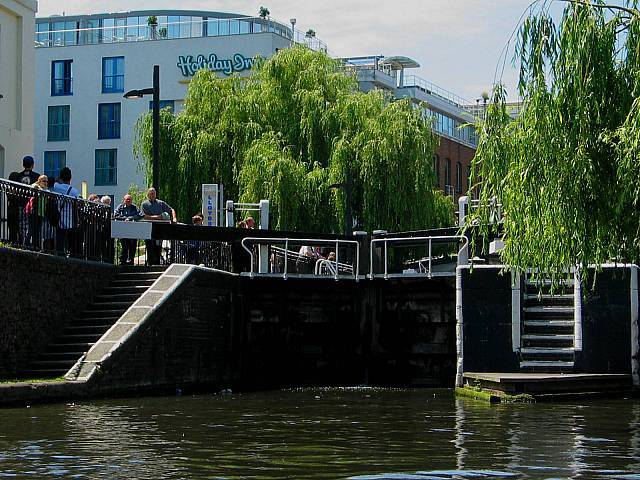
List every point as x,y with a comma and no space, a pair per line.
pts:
85,64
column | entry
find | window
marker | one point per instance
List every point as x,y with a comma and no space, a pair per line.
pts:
108,120
106,167
53,162
436,169
458,177
112,74
61,77
58,123
164,104
447,172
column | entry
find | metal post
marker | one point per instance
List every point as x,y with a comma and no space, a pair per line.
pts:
286,255
155,161
263,250
429,258
459,330
463,205
337,253
577,311
635,346
516,310
386,260
229,209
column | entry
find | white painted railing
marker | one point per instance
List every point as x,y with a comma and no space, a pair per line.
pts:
425,266
249,242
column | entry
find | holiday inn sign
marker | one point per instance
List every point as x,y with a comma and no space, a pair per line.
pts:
189,66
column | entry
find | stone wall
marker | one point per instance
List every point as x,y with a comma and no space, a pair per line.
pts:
40,294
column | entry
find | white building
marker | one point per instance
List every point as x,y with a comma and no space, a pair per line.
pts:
92,60
16,82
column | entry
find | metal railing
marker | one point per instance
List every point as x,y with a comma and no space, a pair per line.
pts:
324,266
202,27
48,222
262,245
425,265
433,89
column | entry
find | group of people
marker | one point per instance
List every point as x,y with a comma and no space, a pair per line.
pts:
308,257
151,209
39,221
51,222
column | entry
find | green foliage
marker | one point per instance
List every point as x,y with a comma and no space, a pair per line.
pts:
264,12
288,132
567,171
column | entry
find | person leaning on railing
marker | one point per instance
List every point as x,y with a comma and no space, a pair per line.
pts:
38,207
67,238
127,212
156,210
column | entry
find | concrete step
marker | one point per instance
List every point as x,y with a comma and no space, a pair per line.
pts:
546,366
132,283
554,311
119,297
93,314
131,290
534,300
79,338
43,373
109,305
71,356
61,364
87,329
69,347
541,340
138,275
141,269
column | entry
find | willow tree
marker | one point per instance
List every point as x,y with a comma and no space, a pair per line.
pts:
567,170
291,130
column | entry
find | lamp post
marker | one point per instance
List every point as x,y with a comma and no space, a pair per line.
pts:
155,146
346,187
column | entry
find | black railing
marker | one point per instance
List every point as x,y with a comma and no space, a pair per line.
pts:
44,221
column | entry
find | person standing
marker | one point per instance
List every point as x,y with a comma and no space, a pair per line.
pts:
156,210
127,212
16,218
66,234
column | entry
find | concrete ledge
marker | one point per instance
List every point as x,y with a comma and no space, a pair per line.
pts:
27,393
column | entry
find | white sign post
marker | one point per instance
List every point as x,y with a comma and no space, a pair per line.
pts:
211,204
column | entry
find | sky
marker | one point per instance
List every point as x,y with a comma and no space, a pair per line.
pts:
458,43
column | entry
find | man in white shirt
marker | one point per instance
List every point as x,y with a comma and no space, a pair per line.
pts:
67,240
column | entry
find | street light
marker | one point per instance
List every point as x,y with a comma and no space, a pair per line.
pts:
346,187
155,147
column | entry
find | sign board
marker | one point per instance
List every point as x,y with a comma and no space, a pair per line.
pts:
211,206
189,65
120,229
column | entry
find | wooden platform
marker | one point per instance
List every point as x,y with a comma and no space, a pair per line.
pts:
552,385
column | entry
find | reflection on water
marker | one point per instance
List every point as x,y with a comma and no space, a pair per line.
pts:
318,433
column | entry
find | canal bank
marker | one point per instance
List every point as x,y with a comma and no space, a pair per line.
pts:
404,323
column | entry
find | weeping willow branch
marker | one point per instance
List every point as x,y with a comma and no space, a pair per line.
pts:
566,170
296,126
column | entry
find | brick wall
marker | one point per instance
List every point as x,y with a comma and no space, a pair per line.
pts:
39,295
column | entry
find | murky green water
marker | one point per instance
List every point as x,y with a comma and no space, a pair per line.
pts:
365,433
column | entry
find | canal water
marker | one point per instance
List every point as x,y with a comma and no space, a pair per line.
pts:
321,433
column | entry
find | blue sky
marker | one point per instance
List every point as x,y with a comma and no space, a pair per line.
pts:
458,43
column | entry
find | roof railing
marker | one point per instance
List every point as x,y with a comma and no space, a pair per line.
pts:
163,31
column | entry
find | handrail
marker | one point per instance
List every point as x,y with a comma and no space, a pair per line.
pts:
303,241
152,32
332,266
429,239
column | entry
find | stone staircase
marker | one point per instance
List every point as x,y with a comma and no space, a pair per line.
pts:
547,328
78,337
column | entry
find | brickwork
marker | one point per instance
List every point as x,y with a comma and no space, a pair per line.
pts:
455,152
40,294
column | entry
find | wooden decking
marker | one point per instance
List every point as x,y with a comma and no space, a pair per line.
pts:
550,385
